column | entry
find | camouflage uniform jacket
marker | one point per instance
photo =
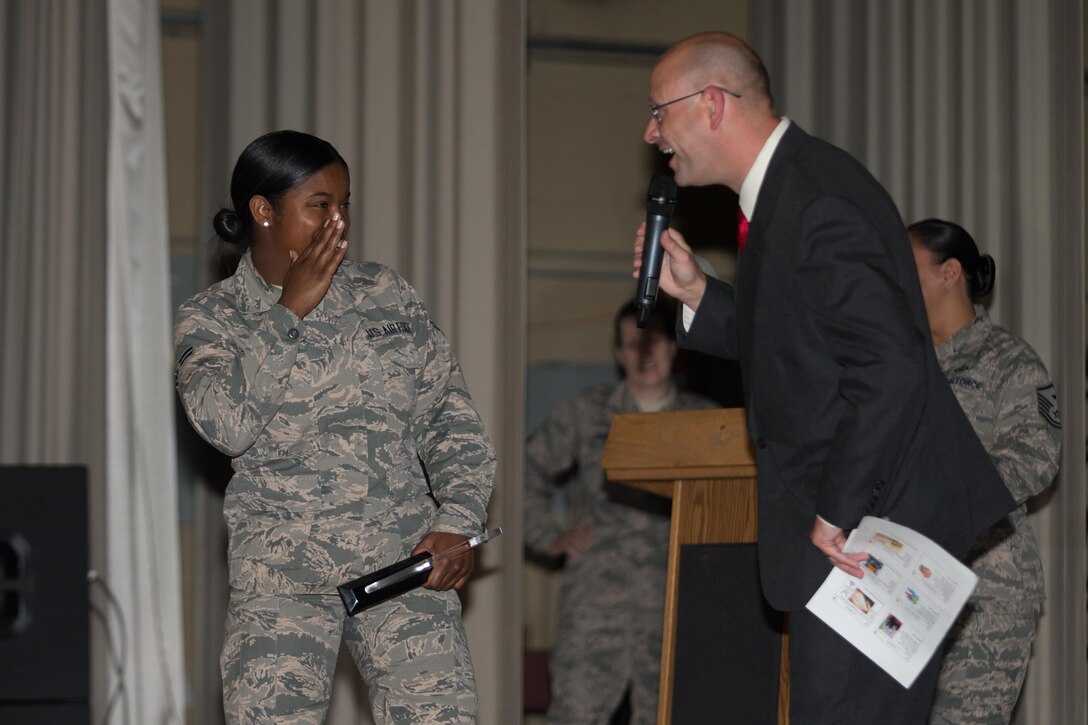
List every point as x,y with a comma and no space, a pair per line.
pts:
1007,395
624,568
327,420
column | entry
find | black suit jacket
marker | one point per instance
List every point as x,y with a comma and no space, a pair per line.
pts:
848,407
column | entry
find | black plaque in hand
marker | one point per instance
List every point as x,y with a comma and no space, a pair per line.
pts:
378,586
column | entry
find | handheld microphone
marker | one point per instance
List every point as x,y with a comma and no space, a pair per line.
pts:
660,201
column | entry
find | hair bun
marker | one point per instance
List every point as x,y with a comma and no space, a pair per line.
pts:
984,276
229,226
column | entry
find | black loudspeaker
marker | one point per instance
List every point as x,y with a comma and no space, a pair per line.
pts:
728,639
44,623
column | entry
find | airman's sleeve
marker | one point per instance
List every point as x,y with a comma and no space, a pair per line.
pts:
231,386
450,436
1027,431
549,453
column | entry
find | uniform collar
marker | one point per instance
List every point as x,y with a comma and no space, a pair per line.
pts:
622,399
255,294
966,337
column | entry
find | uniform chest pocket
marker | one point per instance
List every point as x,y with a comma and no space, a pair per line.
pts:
391,371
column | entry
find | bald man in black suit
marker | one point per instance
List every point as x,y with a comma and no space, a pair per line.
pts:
848,407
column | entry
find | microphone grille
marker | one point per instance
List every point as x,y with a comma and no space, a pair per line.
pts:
661,198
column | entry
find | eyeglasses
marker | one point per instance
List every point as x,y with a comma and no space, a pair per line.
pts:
655,108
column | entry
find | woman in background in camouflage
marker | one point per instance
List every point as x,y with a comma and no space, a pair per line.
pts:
615,538
328,385
1007,394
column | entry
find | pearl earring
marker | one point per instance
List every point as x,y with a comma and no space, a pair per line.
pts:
264,223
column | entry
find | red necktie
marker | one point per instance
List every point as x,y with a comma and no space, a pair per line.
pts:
742,230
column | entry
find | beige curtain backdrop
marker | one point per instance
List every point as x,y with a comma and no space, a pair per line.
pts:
973,111
84,350
424,100
52,247
142,546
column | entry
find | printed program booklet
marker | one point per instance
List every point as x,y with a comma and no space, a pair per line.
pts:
898,613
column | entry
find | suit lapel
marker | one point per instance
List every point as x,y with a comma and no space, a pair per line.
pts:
750,262
767,199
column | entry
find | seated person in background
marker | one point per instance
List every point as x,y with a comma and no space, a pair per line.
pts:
1007,395
615,539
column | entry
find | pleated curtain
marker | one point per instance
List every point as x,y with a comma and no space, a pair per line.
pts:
85,360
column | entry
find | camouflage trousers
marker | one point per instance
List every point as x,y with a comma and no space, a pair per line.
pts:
280,652
985,660
592,666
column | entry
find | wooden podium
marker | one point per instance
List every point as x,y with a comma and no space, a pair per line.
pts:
703,460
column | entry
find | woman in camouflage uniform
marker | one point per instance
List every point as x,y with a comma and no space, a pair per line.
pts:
615,538
328,385
1007,394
